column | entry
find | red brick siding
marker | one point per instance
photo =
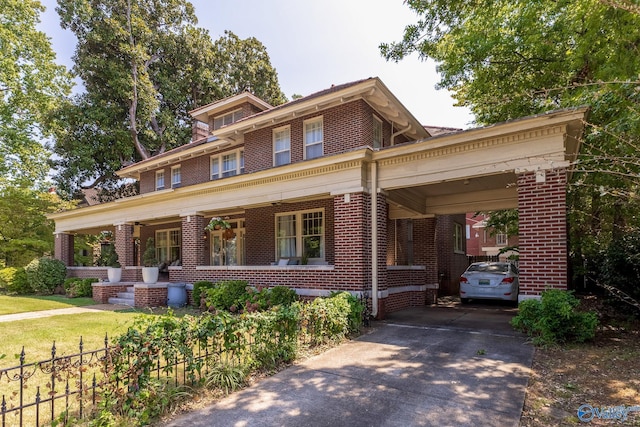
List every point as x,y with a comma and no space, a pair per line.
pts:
450,264
542,232
425,252
193,251
102,292
64,249
150,297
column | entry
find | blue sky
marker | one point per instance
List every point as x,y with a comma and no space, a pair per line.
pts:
314,44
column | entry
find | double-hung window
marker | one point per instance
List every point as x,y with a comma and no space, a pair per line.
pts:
160,180
282,146
300,235
176,176
168,245
229,164
313,138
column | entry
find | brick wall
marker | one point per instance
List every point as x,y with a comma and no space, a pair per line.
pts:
192,252
543,232
63,248
154,295
450,264
103,291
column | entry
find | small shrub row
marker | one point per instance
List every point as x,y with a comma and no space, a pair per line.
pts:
75,287
236,296
555,319
14,281
45,274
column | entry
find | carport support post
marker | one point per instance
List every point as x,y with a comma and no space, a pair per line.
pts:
542,208
63,249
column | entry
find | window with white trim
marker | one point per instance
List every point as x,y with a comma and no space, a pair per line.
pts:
313,138
458,238
160,180
282,146
227,119
176,176
377,132
168,245
501,239
228,164
300,235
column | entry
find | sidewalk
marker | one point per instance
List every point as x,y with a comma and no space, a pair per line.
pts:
61,311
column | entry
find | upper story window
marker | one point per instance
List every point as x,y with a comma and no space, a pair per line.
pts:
313,138
377,132
300,234
281,146
501,239
160,180
228,164
176,176
458,239
227,119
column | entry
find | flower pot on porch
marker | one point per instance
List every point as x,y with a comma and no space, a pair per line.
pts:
150,274
114,274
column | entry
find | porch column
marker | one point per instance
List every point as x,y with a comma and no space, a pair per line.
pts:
352,250
192,251
383,284
124,243
542,207
63,249
425,253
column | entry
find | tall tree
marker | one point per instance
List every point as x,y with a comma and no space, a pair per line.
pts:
30,85
144,65
505,59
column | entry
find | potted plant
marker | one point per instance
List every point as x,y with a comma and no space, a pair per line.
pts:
218,223
150,269
109,259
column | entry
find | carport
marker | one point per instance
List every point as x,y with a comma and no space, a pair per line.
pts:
524,164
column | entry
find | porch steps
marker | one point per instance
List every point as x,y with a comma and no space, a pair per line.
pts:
124,298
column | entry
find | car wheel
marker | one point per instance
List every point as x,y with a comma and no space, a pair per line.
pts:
464,300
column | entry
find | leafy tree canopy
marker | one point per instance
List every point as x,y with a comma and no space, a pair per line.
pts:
30,85
144,65
510,58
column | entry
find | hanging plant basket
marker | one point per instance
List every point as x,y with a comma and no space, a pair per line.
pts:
228,234
218,223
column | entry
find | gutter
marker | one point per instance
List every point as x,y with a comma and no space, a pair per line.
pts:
374,239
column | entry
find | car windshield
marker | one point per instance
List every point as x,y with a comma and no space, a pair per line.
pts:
489,268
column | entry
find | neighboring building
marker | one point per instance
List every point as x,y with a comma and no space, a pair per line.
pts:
482,241
346,180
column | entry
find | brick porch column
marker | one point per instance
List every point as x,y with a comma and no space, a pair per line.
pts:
124,243
192,244
425,253
63,249
383,284
542,206
352,225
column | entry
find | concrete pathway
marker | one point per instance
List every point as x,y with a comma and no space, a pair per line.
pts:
454,366
61,311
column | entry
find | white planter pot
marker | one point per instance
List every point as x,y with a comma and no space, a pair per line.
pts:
150,274
114,274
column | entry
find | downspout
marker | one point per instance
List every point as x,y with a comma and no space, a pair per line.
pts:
374,239
393,135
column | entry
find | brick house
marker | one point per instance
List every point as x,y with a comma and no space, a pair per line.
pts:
482,241
339,190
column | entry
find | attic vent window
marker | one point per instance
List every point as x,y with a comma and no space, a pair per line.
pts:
227,119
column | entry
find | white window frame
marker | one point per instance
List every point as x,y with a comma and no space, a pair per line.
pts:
378,134
176,176
502,239
217,162
307,145
286,132
160,180
160,248
233,117
299,236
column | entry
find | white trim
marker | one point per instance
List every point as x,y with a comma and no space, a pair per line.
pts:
264,267
407,267
410,288
298,232
164,180
231,113
177,167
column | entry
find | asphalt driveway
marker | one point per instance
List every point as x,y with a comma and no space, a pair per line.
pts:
444,366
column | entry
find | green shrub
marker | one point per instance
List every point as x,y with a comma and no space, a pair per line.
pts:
282,295
199,289
555,319
356,309
228,295
75,287
44,274
15,281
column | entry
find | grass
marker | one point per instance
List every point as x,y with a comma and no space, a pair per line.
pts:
25,304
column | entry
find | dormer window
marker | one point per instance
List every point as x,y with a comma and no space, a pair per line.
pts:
227,119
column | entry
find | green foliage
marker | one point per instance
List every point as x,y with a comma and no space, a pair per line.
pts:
199,289
149,255
15,281
108,257
44,274
555,319
75,287
618,265
228,295
356,309
31,83
282,295
329,318
227,377
144,65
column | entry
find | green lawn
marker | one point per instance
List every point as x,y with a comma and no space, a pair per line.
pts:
24,304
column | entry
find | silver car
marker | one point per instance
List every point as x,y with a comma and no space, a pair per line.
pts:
489,280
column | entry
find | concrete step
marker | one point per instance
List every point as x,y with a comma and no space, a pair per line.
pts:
123,301
128,294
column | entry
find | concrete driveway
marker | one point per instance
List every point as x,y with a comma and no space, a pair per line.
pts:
444,366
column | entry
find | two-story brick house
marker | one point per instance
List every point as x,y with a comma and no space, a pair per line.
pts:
339,190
